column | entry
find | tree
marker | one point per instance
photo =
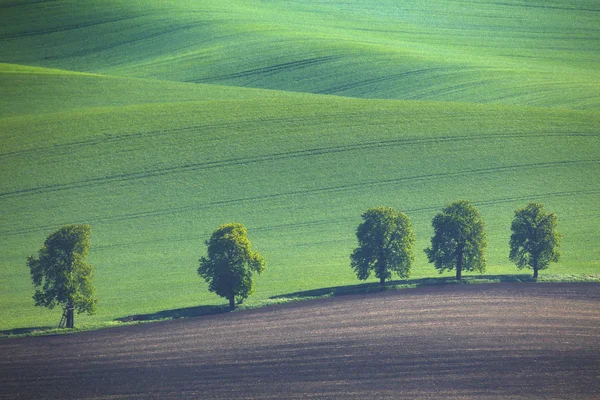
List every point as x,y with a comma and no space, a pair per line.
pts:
459,240
61,274
385,242
230,263
534,242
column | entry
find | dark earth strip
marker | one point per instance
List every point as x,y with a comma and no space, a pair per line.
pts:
501,341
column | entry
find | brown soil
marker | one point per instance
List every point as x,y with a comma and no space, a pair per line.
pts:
504,341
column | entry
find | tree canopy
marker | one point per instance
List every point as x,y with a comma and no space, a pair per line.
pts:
459,239
385,242
535,241
230,263
61,273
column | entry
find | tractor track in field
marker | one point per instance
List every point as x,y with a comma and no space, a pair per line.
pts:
69,147
295,225
120,43
339,188
499,341
269,70
201,206
63,28
168,170
135,176
387,78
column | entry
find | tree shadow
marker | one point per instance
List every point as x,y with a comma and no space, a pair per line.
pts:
373,287
187,312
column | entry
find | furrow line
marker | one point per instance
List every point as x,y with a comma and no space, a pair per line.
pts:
334,189
373,81
63,28
116,44
132,136
25,3
330,221
104,180
270,70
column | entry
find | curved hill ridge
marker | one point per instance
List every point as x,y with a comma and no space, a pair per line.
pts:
38,90
542,53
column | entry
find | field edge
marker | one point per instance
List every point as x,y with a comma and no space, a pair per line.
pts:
321,294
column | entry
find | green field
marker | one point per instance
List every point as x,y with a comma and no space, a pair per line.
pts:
157,122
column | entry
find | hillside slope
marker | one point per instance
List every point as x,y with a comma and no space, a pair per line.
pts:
154,179
543,53
110,114
35,90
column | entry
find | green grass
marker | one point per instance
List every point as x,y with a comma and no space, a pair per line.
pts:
155,163
540,52
155,180
34,90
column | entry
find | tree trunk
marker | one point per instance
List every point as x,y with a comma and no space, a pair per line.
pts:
535,269
70,316
459,264
232,302
382,282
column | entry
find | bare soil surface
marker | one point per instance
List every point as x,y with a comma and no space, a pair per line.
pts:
500,341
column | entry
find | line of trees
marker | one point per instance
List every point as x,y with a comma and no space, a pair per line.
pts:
386,240
62,276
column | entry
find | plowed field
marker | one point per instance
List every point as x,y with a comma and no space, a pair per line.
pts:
504,341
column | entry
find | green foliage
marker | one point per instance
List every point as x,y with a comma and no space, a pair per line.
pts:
230,264
61,273
459,239
535,241
385,242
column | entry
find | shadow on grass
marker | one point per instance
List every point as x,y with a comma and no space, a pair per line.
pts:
187,312
402,284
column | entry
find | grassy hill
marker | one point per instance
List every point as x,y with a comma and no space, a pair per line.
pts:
106,118
34,90
538,52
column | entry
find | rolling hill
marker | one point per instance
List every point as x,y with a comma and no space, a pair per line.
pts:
541,53
155,123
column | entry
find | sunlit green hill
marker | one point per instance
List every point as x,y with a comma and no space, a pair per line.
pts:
155,179
539,52
155,122
35,90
